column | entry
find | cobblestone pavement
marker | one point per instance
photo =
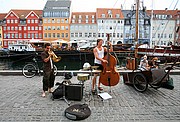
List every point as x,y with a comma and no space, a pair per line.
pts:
21,101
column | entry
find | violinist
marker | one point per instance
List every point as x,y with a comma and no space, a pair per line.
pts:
99,54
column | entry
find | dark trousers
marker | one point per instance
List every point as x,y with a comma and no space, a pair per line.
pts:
48,80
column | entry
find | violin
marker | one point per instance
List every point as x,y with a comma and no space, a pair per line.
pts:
109,76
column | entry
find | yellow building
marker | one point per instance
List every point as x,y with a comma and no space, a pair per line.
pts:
56,20
2,15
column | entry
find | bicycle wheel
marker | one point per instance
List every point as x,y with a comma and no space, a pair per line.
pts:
29,70
55,70
139,82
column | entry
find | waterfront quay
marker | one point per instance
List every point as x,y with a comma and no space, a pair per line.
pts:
21,101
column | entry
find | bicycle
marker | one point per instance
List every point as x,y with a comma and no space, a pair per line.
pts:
32,68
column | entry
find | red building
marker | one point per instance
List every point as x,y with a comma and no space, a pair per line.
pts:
20,26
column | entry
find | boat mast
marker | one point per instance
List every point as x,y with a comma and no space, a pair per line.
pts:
137,24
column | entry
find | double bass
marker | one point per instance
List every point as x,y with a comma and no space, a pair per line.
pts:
109,76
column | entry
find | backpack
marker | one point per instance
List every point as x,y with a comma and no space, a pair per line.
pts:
58,92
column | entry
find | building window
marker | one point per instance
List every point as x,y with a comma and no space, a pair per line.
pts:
36,21
72,34
53,21
90,34
32,35
62,20
66,35
29,36
117,16
58,27
49,35
94,34
49,20
58,35
25,35
40,35
45,35
62,27
12,21
54,35
66,21
92,20
32,21
103,15
53,28
49,27
102,34
8,21
36,28
45,20
62,35
86,34
58,20
80,34
73,21
32,28
36,35
16,35
28,21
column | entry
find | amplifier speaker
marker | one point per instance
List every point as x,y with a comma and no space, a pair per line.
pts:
74,92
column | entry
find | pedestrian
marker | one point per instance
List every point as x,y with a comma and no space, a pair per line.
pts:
48,71
99,54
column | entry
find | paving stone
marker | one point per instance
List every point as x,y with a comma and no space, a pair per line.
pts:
21,100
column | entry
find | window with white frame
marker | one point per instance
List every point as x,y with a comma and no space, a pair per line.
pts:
29,35
32,21
58,27
8,21
28,21
36,21
73,21
25,35
103,15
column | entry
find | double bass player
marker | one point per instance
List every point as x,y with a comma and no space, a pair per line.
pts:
99,51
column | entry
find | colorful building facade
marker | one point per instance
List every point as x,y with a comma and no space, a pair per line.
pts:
20,26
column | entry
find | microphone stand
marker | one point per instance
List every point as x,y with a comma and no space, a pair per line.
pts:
64,90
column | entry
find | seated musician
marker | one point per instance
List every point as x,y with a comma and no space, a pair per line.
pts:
99,54
144,64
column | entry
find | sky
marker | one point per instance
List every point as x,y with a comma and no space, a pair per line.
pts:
89,5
